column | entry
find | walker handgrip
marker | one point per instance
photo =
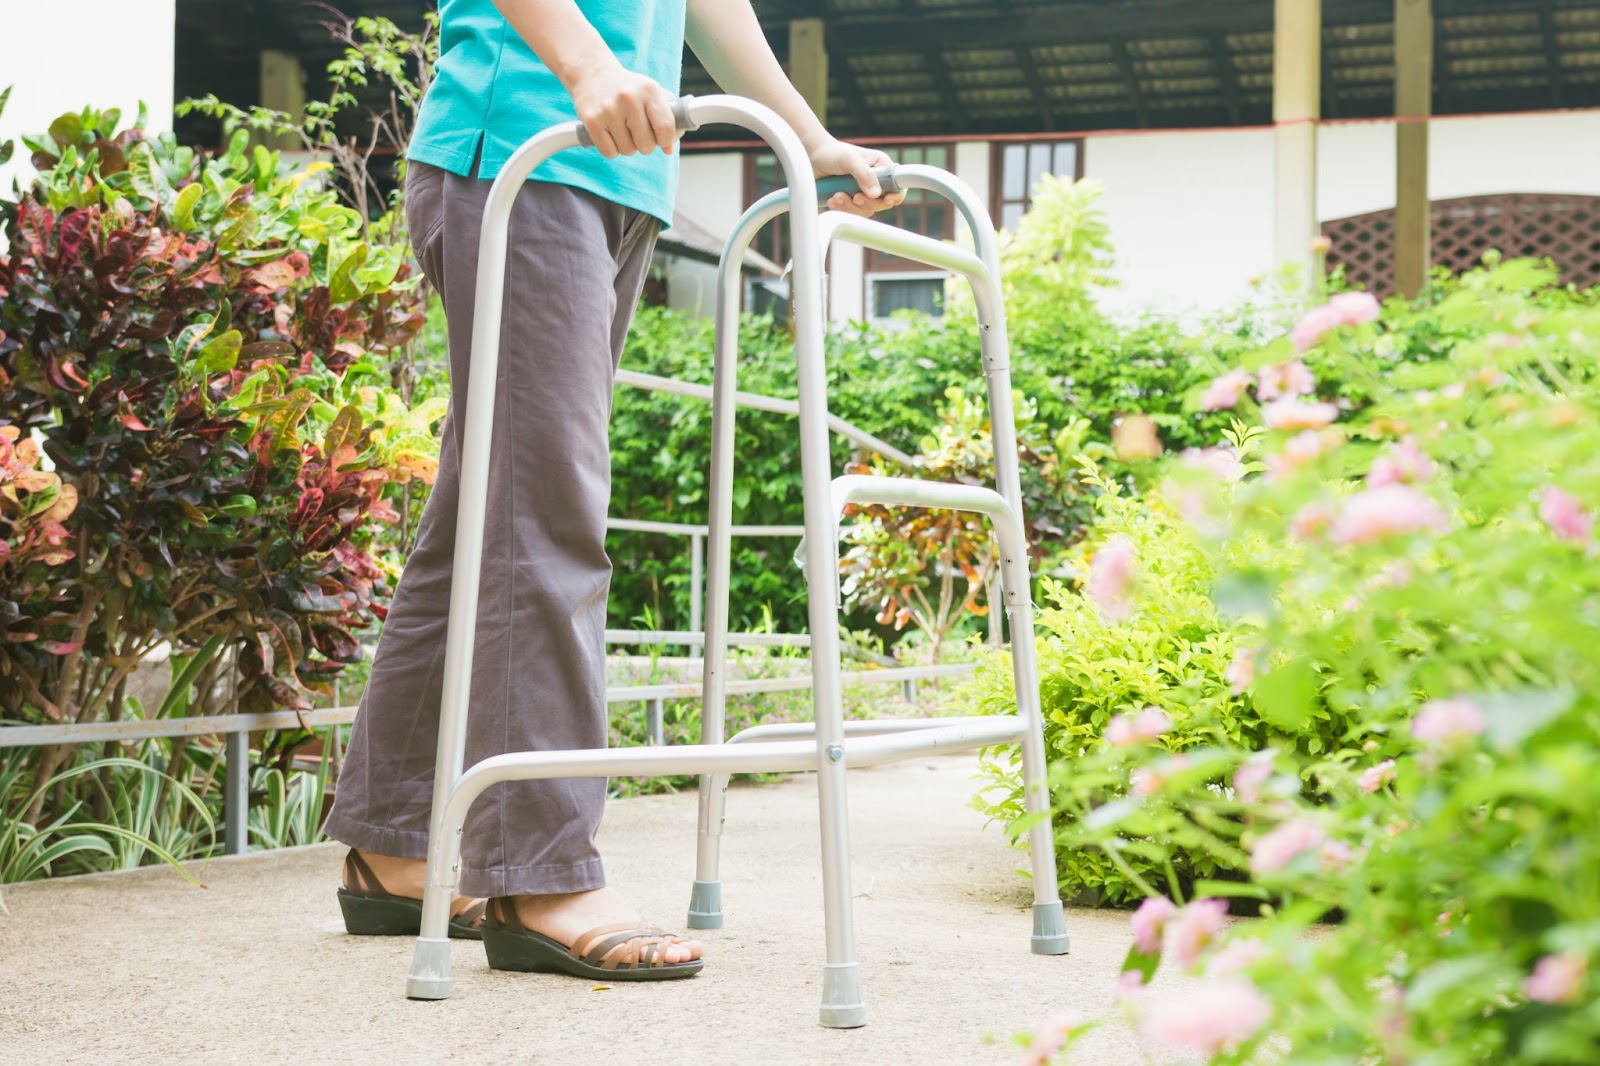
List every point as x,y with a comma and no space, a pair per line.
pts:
680,113
828,187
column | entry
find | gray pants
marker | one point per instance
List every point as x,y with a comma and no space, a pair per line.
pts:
577,265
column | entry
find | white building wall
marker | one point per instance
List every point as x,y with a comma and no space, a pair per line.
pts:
1190,211
66,54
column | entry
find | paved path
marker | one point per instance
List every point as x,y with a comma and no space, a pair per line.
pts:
142,967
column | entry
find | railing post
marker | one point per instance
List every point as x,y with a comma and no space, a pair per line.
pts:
697,590
656,721
236,794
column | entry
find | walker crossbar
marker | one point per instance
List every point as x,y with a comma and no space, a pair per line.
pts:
827,745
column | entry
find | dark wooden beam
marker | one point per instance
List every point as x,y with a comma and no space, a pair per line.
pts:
1130,78
1077,23
1226,75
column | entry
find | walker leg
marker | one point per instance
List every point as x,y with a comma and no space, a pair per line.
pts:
843,1004
430,962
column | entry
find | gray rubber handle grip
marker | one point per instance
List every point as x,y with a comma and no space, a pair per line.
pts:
680,114
827,187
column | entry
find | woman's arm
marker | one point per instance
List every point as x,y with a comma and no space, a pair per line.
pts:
727,37
624,112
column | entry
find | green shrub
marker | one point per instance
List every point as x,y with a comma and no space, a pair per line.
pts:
1415,586
1172,654
199,343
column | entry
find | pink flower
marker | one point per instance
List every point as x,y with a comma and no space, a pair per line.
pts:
1404,462
1148,922
1049,1039
1127,729
1236,955
1129,984
1110,575
1375,513
1290,413
1310,329
1286,379
1283,845
1225,391
1447,721
1144,781
1240,674
1223,462
1213,1016
1310,522
1334,854
1557,978
1301,449
1195,926
1355,308
1375,777
1248,779
1565,516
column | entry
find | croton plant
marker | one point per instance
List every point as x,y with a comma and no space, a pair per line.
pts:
196,343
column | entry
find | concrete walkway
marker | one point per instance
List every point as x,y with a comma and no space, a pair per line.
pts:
142,967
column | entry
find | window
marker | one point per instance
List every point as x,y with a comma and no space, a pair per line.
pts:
1017,168
923,212
888,293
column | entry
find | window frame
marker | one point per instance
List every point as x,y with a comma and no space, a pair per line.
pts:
997,197
871,278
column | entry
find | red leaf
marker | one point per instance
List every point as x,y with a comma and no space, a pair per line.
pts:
60,647
131,420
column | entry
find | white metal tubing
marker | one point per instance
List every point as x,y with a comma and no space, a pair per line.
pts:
688,690
760,757
871,728
697,581
719,575
842,1000
845,429
687,529
467,567
882,237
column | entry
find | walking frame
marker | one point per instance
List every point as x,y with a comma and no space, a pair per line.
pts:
828,745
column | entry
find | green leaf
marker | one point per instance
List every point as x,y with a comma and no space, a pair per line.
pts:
240,507
1516,714
1145,965
179,692
183,211
342,285
219,353
1279,351
1285,696
1240,889
67,130
1243,594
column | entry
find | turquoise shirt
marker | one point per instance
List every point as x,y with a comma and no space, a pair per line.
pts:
488,86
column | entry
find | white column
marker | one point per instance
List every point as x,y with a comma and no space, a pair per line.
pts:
1296,106
1413,103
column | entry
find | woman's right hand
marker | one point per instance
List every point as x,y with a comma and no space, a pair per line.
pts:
625,112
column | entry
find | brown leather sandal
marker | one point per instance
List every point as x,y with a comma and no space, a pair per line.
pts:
512,946
372,910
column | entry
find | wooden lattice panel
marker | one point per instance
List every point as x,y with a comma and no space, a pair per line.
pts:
1564,229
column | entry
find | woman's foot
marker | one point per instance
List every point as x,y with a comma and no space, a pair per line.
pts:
566,916
399,877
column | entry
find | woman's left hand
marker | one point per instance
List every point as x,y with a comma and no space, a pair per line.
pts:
836,157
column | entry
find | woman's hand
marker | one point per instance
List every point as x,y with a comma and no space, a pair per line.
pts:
624,112
836,157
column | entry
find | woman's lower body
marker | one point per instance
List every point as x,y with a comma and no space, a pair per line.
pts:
577,264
